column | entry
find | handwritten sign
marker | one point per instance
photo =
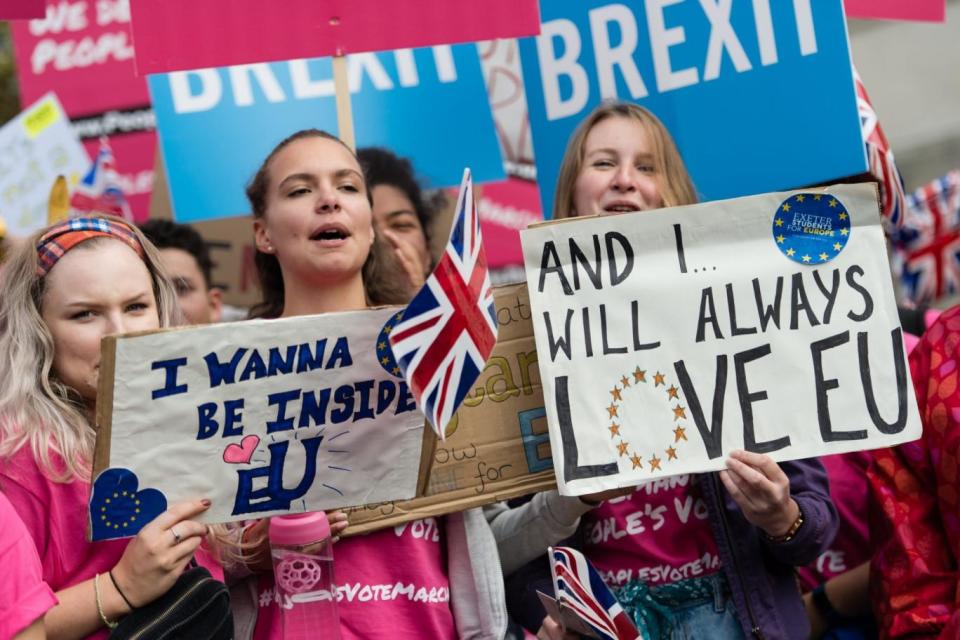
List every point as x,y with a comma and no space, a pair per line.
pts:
669,338
36,147
263,418
497,444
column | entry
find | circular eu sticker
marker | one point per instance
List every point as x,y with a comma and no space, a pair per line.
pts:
811,228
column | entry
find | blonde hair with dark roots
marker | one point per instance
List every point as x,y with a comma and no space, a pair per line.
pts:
676,187
37,409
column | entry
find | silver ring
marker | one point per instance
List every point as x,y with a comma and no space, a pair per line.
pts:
176,536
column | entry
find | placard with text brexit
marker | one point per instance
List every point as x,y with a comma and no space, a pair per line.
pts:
668,338
759,95
217,125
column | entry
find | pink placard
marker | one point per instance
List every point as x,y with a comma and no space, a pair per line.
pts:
174,35
21,9
920,10
506,208
82,50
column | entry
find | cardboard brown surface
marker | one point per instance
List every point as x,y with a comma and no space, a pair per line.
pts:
497,446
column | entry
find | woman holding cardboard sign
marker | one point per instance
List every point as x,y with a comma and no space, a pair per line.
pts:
710,555
65,289
313,227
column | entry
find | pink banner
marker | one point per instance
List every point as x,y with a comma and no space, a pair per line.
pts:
21,9
174,35
920,10
506,208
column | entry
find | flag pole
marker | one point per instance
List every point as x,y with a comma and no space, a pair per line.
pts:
342,91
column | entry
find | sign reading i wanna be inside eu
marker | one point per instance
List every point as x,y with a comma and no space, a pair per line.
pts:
217,125
758,95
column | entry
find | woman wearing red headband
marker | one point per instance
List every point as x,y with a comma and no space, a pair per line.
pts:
63,290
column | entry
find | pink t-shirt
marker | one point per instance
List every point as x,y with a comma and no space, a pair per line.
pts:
847,473
55,515
657,535
24,596
391,584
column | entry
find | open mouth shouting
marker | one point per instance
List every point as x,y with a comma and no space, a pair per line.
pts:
330,234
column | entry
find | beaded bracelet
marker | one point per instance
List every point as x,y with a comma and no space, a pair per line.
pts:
96,591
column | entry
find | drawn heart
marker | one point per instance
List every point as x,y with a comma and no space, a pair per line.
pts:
118,509
241,453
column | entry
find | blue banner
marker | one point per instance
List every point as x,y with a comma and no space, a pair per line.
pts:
759,96
217,125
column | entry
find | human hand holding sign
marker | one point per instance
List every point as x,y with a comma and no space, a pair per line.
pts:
762,490
156,557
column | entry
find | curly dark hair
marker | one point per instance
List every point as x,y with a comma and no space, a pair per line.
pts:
382,166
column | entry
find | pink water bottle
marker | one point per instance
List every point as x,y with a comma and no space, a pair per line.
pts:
303,572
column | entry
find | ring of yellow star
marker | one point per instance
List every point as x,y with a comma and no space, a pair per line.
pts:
655,460
804,252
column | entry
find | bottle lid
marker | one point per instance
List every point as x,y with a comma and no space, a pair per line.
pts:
299,528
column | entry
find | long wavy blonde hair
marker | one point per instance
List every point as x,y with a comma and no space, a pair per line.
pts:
37,409
676,187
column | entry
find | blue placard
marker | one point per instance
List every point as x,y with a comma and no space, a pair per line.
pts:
217,125
758,99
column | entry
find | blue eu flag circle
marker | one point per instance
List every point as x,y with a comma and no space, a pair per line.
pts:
811,228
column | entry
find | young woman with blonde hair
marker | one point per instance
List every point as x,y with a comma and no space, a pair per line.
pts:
63,290
731,563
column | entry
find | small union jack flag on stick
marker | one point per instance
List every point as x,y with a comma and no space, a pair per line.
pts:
100,191
450,328
881,162
581,590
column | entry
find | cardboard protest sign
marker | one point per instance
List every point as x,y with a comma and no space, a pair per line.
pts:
36,147
173,35
497,445
83,50
217,125
668,338
921,10
758,96
263,418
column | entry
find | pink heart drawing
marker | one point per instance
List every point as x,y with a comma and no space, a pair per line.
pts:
241,453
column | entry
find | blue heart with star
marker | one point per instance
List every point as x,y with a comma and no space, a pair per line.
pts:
118,509
384,352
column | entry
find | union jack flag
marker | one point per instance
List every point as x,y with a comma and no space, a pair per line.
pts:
580,589
450,328
99,191
880,160
927,248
